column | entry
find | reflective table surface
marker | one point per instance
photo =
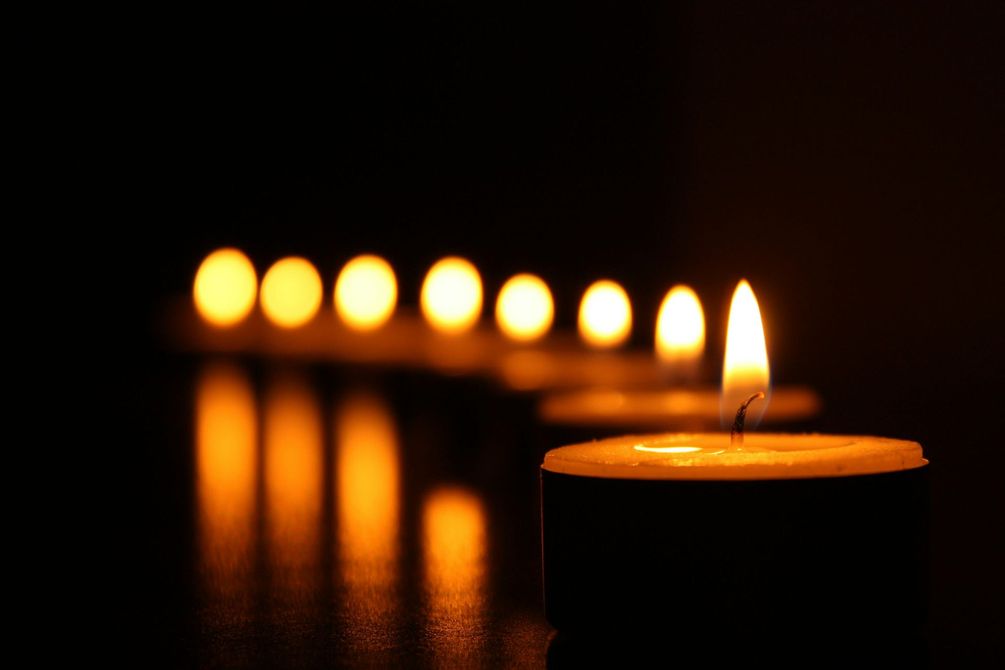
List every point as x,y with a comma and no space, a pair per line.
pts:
322,517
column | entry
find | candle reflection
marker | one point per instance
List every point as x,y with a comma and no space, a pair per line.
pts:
225,475
454,550
293,484
367,476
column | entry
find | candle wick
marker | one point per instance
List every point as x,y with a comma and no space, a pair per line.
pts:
736,432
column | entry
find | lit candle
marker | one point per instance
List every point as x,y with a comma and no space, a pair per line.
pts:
451,302
605,315
225,287
291,292
451,296
366,293
680,333
730,537
524,309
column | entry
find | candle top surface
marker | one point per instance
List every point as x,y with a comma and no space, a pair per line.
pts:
708,456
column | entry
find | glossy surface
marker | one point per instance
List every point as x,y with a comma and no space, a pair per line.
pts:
356,522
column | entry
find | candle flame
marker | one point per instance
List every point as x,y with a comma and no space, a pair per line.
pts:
291,292
452,295
605,315
680,328
225,287
524,309
366,292
745,370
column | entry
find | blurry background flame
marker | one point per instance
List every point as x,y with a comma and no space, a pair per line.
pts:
368,499
524,309
745,369
226,460
452,295
291,292
680,330
225,287
605,315
366,293
454,538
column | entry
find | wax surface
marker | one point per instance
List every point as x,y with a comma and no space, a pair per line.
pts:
708,456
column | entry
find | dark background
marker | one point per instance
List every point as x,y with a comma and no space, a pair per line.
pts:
845,157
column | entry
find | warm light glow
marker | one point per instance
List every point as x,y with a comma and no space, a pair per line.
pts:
524,309
454,554
367,475
365,293
291,292
226,458
294,458
745,370
225,287
605,315
666,450
452,295
680,328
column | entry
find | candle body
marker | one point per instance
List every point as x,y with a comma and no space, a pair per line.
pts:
793,562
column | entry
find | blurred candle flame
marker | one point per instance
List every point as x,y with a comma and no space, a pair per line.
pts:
293,484
367,489
291,292
225,287
745,370
366,293
226,461
605,315
524,309
680,329
451,297
454,554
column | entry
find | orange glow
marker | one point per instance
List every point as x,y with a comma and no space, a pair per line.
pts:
368,500
667,450
605,315
293,480
524,309
291,292
745,370
225,287
366,293
454,551
452,295
226,460
680,328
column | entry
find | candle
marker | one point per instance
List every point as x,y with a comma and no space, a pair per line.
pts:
680,333
809,536
726,537
605,315
291,292
225,287
524,308
366,293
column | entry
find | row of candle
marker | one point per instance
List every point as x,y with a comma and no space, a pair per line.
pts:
366,294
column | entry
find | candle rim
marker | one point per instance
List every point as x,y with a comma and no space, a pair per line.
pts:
838,456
